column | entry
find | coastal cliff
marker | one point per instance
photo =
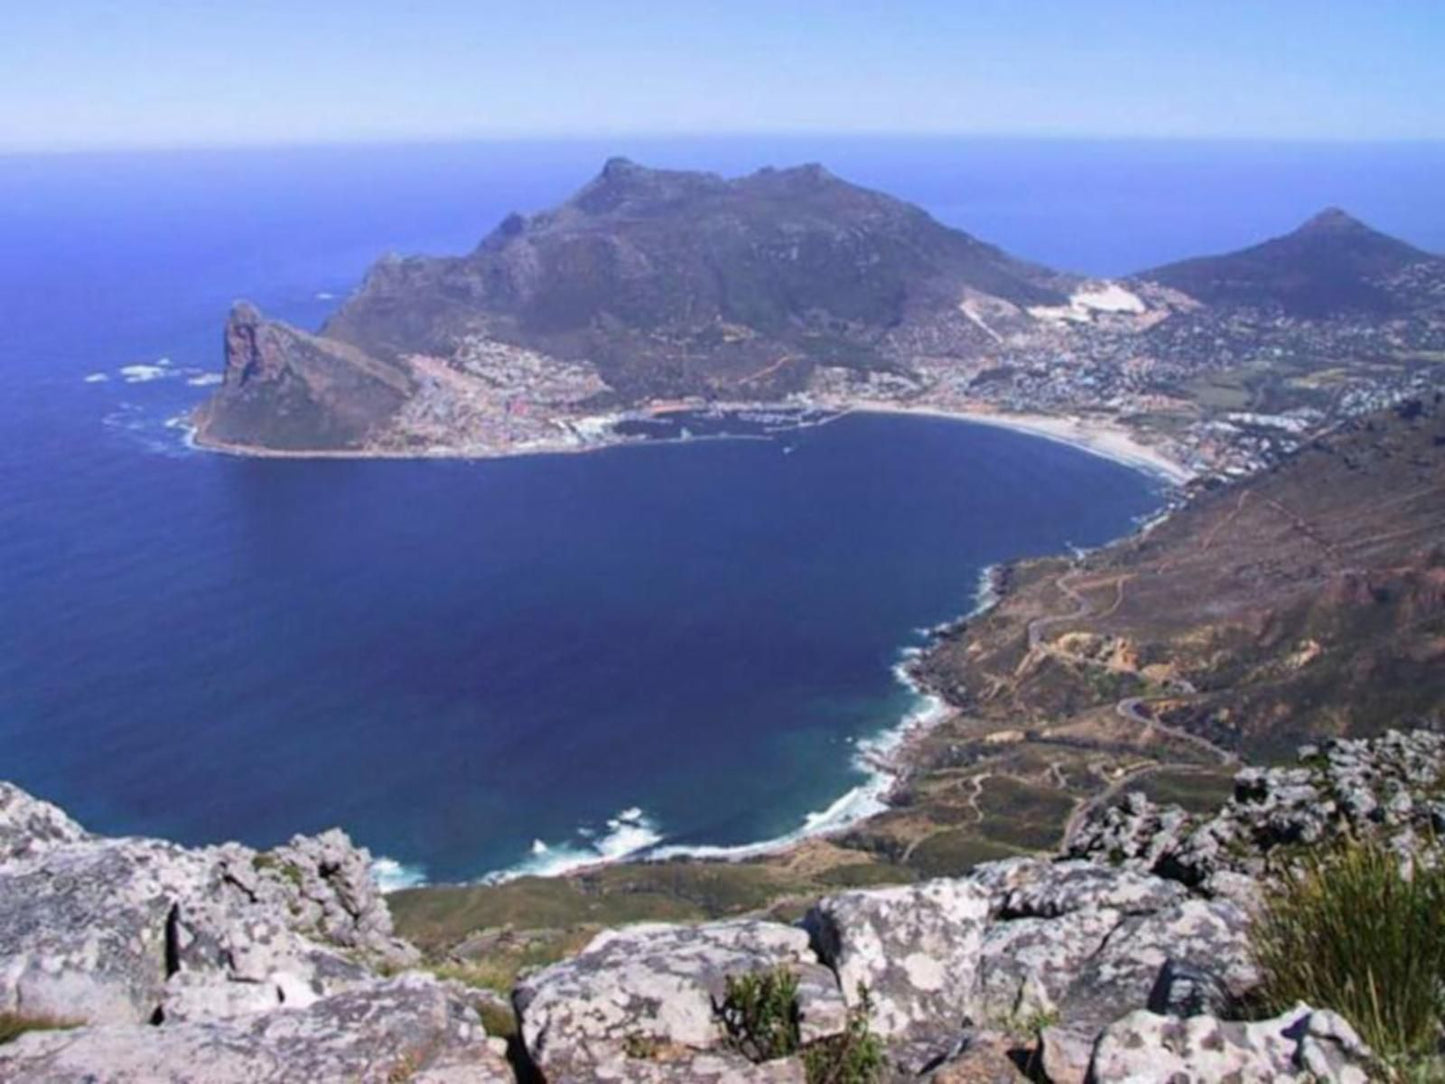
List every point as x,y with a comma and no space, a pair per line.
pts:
1131,958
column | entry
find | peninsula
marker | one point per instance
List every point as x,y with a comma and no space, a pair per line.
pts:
653,291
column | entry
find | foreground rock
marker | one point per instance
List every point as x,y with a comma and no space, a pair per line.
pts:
942,965
1302,1046
110,931
410,1028
1021,941
641,1003
225,964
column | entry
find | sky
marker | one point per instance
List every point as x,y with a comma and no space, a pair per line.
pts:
84,74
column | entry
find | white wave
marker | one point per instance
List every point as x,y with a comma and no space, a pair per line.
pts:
391,875
985,595
325,296
628,834
874,756
205,380
97,378
143,374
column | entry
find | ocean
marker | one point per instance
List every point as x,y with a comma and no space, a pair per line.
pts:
518,664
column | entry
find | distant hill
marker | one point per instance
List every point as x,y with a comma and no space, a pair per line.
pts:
675,282
1332,265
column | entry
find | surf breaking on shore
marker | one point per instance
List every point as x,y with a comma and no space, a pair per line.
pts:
633,835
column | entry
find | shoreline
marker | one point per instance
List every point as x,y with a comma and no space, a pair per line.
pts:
1104,438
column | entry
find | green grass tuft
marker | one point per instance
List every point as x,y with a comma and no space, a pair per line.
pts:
1350,931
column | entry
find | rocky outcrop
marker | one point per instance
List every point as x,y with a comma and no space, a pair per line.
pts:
656,989
940,966
1299,1047
286,390
410,1028
1387,788
162,962
1021,941
134,930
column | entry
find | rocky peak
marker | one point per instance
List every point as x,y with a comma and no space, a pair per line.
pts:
1332,220
625,185
252,355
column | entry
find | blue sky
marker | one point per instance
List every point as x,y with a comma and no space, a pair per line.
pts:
98,73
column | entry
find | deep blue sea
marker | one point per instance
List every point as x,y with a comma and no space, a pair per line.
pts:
478,666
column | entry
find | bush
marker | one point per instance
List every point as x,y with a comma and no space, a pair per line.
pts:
854,1057
1352,932
760,1014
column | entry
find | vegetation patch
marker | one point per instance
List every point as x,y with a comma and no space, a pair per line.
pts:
1022,815
954,853
863,874
1196,792
760,1017
1351,931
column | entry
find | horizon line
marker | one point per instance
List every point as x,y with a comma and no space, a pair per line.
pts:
659,136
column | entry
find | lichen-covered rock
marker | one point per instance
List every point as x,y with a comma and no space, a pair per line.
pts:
654,990
1385,788
1184,989
984,1060
1049,923
1039,888
29,825
1064,1053
1204,934
1302,1045
1017,942
83,928
915,948
100,930
410,1028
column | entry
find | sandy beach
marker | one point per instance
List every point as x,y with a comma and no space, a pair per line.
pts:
1091,435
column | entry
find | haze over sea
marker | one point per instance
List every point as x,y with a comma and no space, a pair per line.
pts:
480,666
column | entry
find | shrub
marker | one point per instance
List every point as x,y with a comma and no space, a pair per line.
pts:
1351,931
854,1057
760,1014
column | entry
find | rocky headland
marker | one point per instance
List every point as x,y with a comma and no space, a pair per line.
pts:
1132,957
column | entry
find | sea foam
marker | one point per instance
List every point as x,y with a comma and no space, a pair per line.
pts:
391,875
627,834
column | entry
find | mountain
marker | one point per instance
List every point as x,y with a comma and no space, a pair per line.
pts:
1332,265
645,284
673,282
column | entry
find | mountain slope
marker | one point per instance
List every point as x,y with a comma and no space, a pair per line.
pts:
1305,601
1331,265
